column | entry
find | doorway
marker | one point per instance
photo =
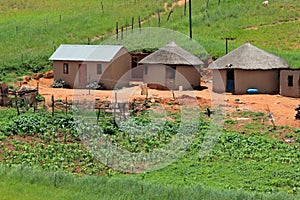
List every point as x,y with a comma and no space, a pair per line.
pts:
230,80
82,75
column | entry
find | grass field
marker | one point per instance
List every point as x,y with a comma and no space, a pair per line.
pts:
24,183
31,30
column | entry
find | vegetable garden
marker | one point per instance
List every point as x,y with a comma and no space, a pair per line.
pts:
252,162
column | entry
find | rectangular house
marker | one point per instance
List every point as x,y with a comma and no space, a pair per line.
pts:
80,65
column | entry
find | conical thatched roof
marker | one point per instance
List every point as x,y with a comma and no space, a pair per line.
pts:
171,54
249,57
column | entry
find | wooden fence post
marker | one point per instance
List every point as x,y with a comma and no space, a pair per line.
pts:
117,31
158,17
122,32
52,105
17,107
140,26
102,6
98,114
132,23
66,105
34,105
184,11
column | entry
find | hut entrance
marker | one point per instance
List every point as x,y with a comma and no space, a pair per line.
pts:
230,80
137,72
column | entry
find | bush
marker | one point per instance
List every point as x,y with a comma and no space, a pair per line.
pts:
39,97
96,86
60,84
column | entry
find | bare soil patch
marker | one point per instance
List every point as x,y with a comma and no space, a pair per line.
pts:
282,108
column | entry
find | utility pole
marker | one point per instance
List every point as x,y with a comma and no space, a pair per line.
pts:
190,18
226,39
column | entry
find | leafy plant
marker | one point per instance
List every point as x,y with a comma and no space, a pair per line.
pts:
59,84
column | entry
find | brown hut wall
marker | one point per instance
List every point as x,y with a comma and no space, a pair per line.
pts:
116,73
156,74
187,76
219,80
290,91
266,81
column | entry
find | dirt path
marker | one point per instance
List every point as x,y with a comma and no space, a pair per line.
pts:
272,24
282,108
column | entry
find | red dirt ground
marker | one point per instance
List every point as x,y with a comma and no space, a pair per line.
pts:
282,108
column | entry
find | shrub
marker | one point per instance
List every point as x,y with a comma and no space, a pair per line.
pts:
39,97
60,84
96,86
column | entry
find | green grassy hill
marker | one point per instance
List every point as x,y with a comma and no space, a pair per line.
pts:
275,28
31,30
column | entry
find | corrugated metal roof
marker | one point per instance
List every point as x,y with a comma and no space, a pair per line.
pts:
249,57
104,53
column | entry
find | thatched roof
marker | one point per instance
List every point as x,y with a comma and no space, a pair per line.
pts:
249,57
172,54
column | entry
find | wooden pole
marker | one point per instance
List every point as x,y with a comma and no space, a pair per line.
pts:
158,17
140,26
190,18
226,42
184,10
207,2
115,105
18,111
66,105
52,105
98,114
132,23
117,31
169,15
122,29
102,6
34,106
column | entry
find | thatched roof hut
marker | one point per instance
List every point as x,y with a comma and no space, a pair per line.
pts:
247,67
249,57
172,67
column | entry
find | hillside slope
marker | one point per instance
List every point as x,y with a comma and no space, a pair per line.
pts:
31,30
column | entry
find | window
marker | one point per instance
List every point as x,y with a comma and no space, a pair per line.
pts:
290,81
145,69
99,68
66,68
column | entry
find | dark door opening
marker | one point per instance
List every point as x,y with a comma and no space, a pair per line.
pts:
230,80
